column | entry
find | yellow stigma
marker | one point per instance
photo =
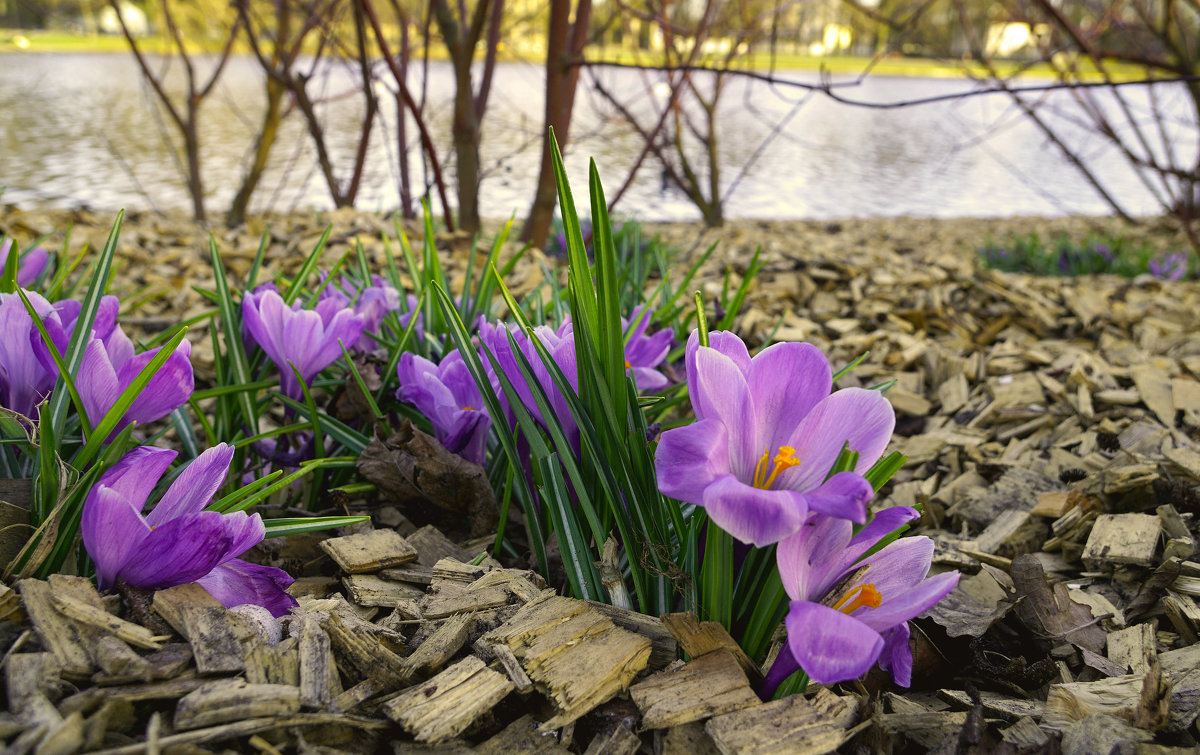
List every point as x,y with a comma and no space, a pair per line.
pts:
764,474
863,595
628,365
467,409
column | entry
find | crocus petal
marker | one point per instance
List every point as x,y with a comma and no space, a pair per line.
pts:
182,550
784,666
119,347
263,320
238,582
885,522
786,382
722,341
843,495
97,382
900,565
169,388
105,319
32,265
829,645
467,435
721,393
897,655
753,515
808,560
343,330
195,486
649,380
690,458
862,417
112,531
908,605
138,471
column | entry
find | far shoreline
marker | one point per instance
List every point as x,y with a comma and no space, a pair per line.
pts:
37,42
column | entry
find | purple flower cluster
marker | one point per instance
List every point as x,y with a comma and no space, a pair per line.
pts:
757,459
447,395
1171,266
178,541
28,371
371,303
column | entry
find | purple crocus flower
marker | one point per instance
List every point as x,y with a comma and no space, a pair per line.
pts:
29,266
24,379
643,353
1171,266
372,303
178,541
309,339
102,378
846,611
448,396
766,435
110,365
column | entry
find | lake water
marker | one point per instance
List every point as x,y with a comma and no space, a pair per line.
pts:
83,130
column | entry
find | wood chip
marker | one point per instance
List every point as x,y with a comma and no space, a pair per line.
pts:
369,551
1135,648
56,630
791,725
698,638
205,624
448,703
370,590
440,646
707,686
1122,539
229,700
1154,387
997,705
357,649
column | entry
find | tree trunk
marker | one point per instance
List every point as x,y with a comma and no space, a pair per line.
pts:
564,41
272,118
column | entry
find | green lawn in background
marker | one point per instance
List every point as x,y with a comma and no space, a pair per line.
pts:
35,41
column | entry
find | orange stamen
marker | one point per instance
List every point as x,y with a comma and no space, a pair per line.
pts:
628,365
468,409
764,476
863,595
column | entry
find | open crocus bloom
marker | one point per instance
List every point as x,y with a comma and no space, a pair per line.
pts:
766,435
178,541
309,339
846,611
448,396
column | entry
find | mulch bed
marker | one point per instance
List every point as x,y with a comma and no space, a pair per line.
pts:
1053,434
